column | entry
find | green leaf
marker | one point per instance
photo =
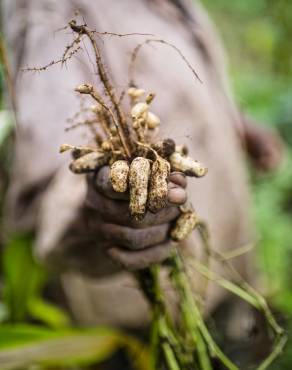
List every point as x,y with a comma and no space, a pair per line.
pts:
22,346
48,313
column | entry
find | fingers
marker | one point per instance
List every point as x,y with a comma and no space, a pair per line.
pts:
134,239
134,260
166,215
117,212
176,195
176,189
178,178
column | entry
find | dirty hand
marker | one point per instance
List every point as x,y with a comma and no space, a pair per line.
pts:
132,244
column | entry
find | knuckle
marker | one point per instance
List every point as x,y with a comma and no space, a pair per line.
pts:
130,265
133,239
123,261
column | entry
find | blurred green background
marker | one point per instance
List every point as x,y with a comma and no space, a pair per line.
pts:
258,38
257,35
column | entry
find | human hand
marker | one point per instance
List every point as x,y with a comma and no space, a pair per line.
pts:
132,244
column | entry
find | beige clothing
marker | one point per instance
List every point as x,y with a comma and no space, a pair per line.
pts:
201,116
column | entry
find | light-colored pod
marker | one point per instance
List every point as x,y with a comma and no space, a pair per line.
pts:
139,111
66,147
152,121
187,165
89,162
84,89
184,225
96,108
157,195
77,151
138,183
135,93
119,173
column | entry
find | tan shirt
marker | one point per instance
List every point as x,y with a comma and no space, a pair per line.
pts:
46,197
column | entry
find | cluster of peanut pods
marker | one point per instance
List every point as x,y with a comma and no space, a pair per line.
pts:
145,173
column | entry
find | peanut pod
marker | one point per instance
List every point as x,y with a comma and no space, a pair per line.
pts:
139,111
187,165
184,225
152,121
119,173
138,183
157,196
135,93
77,151
89,162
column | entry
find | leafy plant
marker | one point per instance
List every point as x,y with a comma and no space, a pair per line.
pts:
24,281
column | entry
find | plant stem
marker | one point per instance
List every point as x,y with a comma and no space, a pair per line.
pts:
83,30
161,329
195,320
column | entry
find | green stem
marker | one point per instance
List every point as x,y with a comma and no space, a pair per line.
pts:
170,357
196,319
188,312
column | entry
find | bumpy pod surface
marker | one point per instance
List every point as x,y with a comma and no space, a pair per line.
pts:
187,165
89,162
184,225
138,183
158,189
119,173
